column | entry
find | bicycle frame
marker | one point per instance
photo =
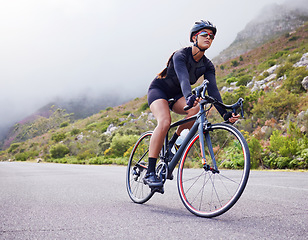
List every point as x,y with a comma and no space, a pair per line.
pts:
199,124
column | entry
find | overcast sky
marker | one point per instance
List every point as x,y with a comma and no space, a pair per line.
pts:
51,48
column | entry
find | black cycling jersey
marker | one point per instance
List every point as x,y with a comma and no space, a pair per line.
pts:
182,72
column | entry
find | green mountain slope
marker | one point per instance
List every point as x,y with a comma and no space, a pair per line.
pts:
269,78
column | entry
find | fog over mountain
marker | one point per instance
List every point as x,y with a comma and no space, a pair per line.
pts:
98,49
273,20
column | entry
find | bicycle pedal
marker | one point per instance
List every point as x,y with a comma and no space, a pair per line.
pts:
159,190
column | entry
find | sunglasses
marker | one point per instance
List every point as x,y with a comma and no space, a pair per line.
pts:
205,34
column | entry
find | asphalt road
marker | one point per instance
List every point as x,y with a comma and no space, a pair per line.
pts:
55,201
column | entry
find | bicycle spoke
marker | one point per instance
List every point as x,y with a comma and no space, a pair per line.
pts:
196,179
231,180
192,185
204,183
143,156
216,194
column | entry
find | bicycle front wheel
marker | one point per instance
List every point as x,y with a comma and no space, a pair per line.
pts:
136,170
204,191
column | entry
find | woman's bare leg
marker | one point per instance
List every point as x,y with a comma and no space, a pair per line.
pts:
161,112
160,109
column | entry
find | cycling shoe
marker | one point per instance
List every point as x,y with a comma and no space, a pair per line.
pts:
152,180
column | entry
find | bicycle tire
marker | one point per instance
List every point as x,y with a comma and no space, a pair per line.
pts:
204,192
136,170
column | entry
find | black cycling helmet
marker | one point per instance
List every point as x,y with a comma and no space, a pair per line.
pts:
201,25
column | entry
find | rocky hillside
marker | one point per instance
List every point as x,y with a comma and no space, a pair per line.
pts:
273,21
77,108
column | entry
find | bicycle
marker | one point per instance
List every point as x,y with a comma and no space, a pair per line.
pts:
214,162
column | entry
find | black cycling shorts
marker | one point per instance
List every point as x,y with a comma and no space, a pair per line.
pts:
159,90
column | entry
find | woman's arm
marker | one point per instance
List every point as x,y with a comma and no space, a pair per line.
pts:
180,68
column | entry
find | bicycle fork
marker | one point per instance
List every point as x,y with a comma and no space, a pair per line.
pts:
204,134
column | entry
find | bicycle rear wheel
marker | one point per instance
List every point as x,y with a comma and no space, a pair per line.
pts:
203,191
136,170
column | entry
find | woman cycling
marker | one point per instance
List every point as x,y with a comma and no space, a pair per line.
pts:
184,68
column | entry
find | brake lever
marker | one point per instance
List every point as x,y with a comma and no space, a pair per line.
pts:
242,111
205,83
237,105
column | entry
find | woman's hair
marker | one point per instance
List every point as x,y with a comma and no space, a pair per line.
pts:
163,73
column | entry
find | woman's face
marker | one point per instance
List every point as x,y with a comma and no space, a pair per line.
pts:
204,42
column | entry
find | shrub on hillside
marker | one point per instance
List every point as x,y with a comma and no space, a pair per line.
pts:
104,128
64,124
57,137
231,80
109,108
289,150
87,154
21,156
106,123
279,54
234,63
256,150
293,83
243,80
293,58
13,147
144,107
58,151
293,38
126,113
75,131
266,64
91,126
284,69
265,74
275,105
128,131
286,146
26,155
120,144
